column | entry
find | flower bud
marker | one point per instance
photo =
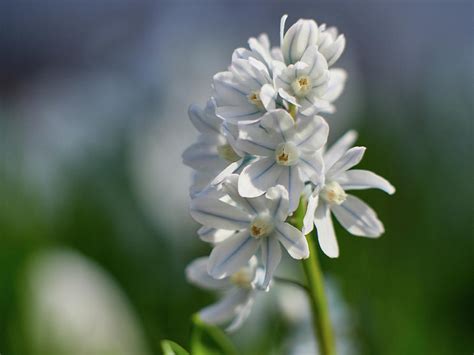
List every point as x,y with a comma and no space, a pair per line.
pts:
300,36
330,44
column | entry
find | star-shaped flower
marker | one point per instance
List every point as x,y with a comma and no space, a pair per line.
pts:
257,222
287,154
306,82
245,92
215,148
239,292
330,196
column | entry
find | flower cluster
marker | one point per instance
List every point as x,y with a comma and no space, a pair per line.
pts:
262,150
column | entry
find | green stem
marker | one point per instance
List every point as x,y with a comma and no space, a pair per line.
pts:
292,110
319,306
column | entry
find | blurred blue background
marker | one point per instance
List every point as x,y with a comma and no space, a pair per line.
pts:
93,206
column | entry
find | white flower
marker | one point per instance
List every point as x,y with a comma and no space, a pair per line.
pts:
257,222
287,154
330,44
337,81
261,51
304,34
330,196
215,149
239,292
306,82
299,37
244,93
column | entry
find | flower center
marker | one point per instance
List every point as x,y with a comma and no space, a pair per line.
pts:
228,153
254,98
287,154
333,193
301,85
261,226
242,278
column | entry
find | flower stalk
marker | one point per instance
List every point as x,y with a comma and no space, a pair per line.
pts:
315,285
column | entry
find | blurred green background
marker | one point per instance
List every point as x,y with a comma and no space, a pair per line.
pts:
93,101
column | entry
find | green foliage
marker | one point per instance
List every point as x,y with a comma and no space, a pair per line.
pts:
209,340
171,348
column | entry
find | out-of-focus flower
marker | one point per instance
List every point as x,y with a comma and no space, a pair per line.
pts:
288,154
330,196
258,223
74,308
239,291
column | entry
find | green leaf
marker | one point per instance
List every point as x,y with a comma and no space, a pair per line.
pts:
171,348
210,340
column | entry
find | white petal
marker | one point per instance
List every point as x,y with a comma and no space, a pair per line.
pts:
300,36
363,179
271,256
358,218
256,140
291,179
243,312
325,228
215,213
308,220
279,203
228,92
281,122
200,181
312,134
258,176
277,55
350,158
196,273
337,81
282,27
232,254
213,235
230,186
314,104
333,51
293,240
284,76
339,148
287,97
264,41
205,123
241,53
250,73
311,166
231,133
246,113
224,310
268,96
230,169
203,157
316,62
